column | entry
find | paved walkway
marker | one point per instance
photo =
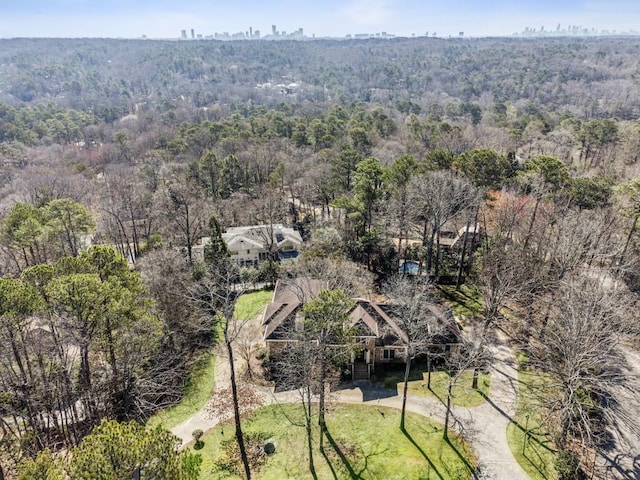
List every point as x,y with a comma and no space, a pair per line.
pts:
203,420
485,427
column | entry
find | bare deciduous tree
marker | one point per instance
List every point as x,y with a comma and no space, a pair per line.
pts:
127,208
183,210
471,354
419,326
503,275
581,358
297,368
436,198
216,296
325,324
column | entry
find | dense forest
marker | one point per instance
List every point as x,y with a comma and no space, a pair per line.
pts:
118,156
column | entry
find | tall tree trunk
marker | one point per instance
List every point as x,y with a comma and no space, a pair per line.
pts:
448,413
68,386
309,429
85,384
15,258
405,389
136,238
462,253
187,233
236,410
634,226
437,260
118,393
432,240
547,315
532,221
31,413
49,401
425,242
321,400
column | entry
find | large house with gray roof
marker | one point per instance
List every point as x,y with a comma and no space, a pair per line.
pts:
375,326
251,245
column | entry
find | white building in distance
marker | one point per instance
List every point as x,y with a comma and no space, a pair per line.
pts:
249,246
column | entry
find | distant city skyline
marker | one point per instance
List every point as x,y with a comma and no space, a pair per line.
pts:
334,18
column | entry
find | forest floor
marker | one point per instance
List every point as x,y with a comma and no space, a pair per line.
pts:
484,427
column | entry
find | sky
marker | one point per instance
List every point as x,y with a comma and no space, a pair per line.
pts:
337,18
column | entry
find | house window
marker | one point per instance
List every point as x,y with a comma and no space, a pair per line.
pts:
248,252
389,354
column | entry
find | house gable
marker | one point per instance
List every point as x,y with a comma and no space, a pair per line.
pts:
363,324
280,316
375,328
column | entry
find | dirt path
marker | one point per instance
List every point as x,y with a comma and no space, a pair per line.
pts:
202,419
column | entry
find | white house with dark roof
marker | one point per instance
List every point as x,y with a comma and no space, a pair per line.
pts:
251,245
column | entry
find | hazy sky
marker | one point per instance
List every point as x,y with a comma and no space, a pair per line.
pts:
165,18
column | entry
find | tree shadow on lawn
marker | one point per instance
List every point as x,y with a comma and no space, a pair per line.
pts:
422,452
463,299
472,470
343,458
533,463
353,474
515,422
328,460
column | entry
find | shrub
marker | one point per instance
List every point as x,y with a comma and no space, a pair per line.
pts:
229,460
197,435
568,466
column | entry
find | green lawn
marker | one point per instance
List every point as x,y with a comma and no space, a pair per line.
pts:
196,394
201,380
251,304
369,439
534,451
465,302
462,395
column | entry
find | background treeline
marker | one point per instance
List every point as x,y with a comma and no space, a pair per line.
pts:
587,77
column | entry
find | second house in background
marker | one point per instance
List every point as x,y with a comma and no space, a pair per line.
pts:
251,245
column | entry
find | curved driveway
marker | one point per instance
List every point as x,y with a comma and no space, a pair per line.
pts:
485,427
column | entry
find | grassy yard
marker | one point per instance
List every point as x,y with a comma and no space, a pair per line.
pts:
462,395
465,302
368,444
201,380
533,451
196,394
251,304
